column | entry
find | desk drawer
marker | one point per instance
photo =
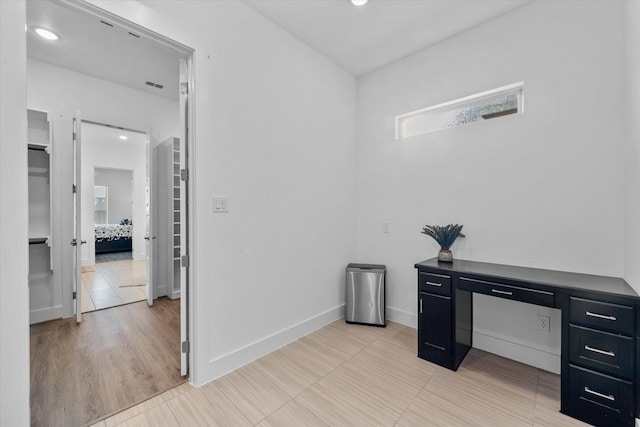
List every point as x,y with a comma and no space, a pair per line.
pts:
516,293
434,283
602,315
602,399
609,353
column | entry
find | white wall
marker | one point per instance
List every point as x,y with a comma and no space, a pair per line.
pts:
14,264
543,189
63,92
101,149
632,148
119,183
275,132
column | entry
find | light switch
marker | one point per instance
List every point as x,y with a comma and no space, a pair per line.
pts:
220,204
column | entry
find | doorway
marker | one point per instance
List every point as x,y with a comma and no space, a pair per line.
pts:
114,181
62,87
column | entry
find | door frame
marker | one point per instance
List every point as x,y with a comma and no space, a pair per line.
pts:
187,121
15,410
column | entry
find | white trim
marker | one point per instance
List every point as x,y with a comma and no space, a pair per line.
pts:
14,225
87,8
230,361
403,317
528,355
193,374
45,314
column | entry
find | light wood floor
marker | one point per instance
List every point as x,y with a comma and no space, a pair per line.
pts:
114,359
350,375
113,283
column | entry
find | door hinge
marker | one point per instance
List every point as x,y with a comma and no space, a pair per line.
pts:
184,174
185,347
75,294
184,88
74,189
185,260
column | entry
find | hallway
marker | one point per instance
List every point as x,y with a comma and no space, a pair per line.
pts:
114,359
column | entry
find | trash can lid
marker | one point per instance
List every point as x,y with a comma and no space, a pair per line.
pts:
367,266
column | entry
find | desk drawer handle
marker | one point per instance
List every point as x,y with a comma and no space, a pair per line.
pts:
604,396
596,350
498,291
601,316
434,284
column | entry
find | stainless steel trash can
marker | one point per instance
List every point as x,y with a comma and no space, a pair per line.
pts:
366,294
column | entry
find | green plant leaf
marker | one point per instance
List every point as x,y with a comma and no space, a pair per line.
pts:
445,236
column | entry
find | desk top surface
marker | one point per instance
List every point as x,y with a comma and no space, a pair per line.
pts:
558,279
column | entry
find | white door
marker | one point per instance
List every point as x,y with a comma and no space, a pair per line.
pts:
149,235
185,262
77,215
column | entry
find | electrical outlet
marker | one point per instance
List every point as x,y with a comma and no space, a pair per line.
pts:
544,323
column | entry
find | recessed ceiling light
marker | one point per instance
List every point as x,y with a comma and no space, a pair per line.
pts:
359,2
122,137
46,34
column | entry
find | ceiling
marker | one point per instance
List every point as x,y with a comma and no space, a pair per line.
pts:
362,39
111,53
101,134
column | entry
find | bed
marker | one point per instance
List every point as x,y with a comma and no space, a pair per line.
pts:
113,238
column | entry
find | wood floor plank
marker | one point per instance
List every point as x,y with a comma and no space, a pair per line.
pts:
335,406
158,416
253,392
206,406
112,360
293,414
377,380
288,372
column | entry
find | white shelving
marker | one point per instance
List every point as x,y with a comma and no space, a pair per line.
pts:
41,282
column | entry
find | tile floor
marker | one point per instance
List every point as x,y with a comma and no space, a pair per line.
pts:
350,375
113,283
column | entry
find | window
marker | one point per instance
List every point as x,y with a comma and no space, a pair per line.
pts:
101,204
482,106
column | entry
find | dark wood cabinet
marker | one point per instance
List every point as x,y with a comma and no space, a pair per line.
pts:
600,329
434,333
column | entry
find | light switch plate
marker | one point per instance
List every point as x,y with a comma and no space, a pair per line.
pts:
220,204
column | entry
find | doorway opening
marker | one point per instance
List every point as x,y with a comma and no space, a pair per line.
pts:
123,355
114,259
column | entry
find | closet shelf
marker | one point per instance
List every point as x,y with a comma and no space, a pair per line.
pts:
39,146
39,240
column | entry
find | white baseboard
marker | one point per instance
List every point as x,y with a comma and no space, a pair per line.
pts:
226,363
521,353
637,422
403,317
174,295
87,268
45,314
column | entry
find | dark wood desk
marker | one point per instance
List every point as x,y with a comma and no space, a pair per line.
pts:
600,350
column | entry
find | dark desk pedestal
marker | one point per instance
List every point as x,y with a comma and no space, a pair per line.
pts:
600,329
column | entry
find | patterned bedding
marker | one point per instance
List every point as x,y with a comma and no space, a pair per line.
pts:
113,232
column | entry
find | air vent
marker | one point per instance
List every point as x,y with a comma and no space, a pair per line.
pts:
107,24
134,35
156,85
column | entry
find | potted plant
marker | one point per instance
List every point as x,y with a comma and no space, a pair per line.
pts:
445,236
